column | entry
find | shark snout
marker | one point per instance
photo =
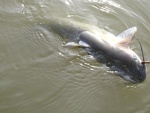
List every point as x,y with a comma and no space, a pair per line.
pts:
139,73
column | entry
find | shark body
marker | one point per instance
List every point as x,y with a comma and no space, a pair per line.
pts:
114,47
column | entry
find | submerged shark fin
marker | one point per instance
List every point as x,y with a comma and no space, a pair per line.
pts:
75,44
126,36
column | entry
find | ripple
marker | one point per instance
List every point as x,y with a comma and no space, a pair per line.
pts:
38,74
40,38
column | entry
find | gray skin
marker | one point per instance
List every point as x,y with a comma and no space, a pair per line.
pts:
95,38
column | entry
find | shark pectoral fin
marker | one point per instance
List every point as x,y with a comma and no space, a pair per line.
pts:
75,44
83,44
72,44
126,36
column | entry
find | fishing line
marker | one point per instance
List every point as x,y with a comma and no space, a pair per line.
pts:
143,62
141,49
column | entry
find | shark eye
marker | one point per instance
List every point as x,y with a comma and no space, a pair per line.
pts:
135,59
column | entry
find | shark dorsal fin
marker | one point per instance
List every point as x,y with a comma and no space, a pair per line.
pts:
126,36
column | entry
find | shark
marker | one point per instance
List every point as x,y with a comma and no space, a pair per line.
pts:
115,48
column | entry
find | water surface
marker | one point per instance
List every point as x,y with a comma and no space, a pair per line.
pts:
39,75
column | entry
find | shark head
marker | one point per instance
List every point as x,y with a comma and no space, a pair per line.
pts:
136,66
140,74
137,69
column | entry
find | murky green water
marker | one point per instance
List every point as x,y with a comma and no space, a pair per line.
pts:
38,75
